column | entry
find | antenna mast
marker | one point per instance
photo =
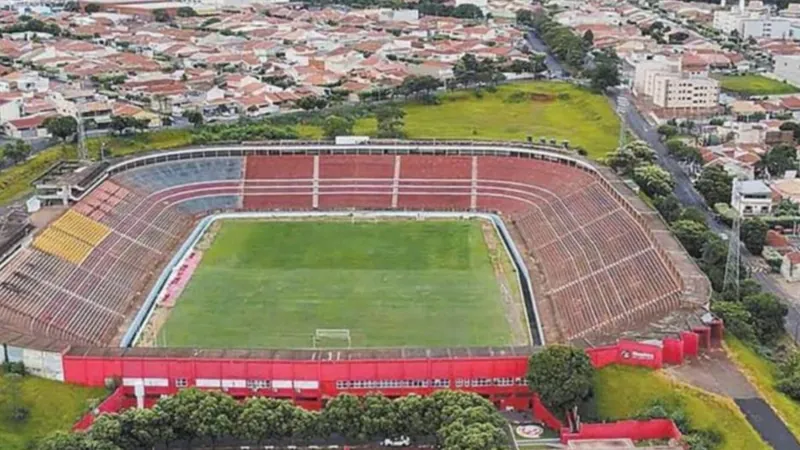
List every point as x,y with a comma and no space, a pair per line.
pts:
731,282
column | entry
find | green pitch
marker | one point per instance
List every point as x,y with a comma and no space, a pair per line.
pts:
391,283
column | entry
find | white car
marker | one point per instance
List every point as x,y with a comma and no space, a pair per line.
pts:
402,441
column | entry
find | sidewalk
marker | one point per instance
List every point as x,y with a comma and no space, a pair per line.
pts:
714,372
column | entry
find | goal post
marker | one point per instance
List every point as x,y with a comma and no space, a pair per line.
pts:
331,334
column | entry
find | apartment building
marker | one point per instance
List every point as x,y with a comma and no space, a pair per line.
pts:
667,83
685,91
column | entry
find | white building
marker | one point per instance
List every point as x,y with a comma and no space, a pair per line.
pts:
25,82
646,71
667,85
685,91
398,15
772,28
751,198
754,20
787,68
10,110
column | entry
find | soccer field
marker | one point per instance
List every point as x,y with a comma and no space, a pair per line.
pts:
391,283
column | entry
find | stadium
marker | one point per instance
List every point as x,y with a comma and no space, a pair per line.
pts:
234,267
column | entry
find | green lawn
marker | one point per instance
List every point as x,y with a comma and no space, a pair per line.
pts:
391,283
549,109
622,392
53,406
761,373
16,181
756,85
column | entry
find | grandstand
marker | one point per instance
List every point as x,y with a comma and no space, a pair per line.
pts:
601,261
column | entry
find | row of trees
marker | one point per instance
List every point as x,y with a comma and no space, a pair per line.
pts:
568,47
637,161
454,419
242,131
751,315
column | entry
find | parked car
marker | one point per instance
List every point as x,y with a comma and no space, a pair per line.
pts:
402,441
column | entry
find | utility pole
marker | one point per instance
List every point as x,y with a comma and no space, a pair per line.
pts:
83,154
731,282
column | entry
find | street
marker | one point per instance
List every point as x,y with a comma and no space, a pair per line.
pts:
688,196
555,68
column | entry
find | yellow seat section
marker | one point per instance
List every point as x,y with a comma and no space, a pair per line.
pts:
63,245
85,229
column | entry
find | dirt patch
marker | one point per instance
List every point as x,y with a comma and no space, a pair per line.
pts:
505,273
714,372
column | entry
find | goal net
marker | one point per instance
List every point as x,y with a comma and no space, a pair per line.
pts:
332,337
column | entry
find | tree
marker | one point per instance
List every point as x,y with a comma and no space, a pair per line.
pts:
715,185
641,151
605,75
465,71
678,37
185,11
668,131
414,411
416,86
754,234
15,409
337,126
73,441
17,151
390,122
788,375
524,17
194,117
561,376
779,159
160,15
669,207
312,102
713,260
622,161
91,8
215,416
478,436
693,214
342,415
265,418
380,416
794,127
588,38
786,207
179,410
61,127
738,320
653,180
768,316
107,428
468,11
692,235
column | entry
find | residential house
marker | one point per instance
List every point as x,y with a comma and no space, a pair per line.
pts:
28,127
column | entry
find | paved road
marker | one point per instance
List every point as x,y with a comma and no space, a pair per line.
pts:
555,67
688,196
767,424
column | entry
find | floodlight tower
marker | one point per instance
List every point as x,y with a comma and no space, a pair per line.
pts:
731,281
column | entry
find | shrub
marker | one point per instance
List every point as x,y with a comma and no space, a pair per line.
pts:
15,367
